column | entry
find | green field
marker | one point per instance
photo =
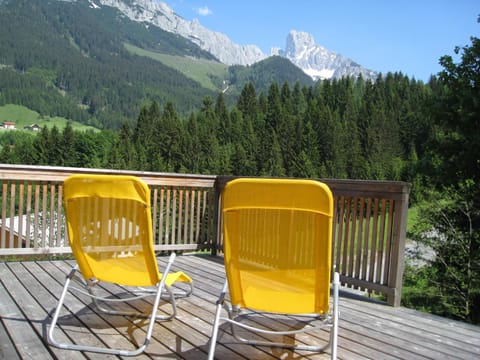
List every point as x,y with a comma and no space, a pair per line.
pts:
206,72
23,116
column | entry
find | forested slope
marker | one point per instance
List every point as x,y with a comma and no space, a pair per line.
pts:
72,60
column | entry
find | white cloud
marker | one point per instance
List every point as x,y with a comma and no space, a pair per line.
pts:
204,11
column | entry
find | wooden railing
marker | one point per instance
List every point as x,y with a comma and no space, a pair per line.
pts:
369,224
32,219
369,234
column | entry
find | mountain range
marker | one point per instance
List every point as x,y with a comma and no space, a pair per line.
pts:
99,61
301,49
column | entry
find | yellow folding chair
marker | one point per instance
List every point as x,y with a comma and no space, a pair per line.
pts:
109,227
277,237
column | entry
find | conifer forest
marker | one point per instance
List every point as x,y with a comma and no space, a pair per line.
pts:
393,128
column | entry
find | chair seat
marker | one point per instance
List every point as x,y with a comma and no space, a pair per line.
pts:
128,271
110,231
277,243
293,291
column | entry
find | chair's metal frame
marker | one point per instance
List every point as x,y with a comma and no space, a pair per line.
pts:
159,286
330,321
155,291
327,319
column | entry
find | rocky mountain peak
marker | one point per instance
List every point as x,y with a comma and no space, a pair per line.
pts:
298,42
315,60
160,14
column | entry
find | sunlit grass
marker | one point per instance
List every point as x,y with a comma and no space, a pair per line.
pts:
23,116
206,72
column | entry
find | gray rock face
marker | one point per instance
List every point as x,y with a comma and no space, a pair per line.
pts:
315,60
319,62
161,15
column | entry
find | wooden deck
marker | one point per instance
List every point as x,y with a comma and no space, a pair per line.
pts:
29,291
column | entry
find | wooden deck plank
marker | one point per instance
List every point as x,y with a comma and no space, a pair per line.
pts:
350,350
426,331
425,322
402,334
28,344
7,347
368,330
32,297
86,326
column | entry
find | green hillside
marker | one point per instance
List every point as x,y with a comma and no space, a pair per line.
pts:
209,73
23,116
67,59
97,67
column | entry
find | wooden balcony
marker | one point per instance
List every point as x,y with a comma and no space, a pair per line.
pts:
369,224
367,329
369,240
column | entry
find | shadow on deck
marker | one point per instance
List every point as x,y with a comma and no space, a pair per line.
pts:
368,329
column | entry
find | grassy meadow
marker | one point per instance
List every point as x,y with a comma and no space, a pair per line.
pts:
23,116
208,73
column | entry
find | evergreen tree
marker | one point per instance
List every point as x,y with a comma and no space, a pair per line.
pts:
225,128
169,136
24,151
122,153
247,101
41,145
452,225
55,156
67,146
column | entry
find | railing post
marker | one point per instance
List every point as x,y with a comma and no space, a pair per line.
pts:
216,218
220,183
397,260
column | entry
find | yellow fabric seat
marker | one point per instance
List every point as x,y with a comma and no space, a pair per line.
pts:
109,228
295,290
130,269
277,236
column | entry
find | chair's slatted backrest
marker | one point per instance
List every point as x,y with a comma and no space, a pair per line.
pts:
278,236
109,228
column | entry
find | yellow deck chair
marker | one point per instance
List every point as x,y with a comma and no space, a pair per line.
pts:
110,232
277,251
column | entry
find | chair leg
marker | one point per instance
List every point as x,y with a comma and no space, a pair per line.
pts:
334,330
157,299
51,339
139,350
333,325
216,323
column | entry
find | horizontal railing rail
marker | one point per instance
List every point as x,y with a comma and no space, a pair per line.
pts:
369,224
32,218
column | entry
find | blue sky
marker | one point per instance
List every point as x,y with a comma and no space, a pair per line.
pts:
389,35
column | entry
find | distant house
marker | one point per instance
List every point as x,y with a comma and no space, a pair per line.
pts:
8,125
33,127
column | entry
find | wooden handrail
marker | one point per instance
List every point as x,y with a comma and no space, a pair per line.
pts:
370,233
369,224
32,213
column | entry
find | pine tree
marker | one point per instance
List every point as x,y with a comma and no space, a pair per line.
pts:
453,221
41,145
67,146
